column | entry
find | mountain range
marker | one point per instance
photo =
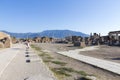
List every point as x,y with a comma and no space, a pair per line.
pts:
48,33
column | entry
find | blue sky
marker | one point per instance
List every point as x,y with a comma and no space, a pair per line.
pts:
86,16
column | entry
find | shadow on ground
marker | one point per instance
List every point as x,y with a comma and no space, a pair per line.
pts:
82,78
116,58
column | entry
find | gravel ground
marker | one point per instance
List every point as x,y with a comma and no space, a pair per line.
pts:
52,50
105,52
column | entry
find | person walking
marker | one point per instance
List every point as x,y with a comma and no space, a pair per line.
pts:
27,45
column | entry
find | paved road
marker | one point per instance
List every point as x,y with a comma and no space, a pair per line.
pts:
107,65
13,65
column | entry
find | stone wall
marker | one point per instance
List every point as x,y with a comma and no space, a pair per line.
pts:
5,40
43,40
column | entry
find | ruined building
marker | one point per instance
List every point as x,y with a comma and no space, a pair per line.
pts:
114,38
43,40
76,40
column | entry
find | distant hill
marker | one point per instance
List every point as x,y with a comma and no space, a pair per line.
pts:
48,33
61,33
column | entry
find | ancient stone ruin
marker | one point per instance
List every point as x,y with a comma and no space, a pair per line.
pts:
42,40
76,40
114,38
14,40
5,40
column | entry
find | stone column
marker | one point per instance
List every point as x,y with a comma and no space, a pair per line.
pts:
117,37
83,43
110,35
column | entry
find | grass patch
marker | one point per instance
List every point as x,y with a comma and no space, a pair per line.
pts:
60,72
63,71
49,57
59,63
81,73
67,69
46,61
42,54
35,47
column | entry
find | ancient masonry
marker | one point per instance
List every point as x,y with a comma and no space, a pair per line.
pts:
112,39
5,40
43,39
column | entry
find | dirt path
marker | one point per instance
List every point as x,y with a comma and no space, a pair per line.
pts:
104,64
13,65
105,52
